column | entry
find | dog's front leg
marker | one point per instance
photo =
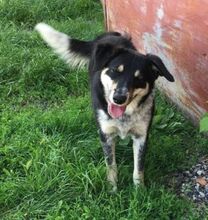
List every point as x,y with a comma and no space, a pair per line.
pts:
139,148
108,144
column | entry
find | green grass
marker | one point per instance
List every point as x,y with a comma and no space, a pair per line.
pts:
51,164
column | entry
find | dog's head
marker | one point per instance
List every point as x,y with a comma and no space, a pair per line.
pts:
127,75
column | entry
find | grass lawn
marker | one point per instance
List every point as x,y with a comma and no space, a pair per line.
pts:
51,162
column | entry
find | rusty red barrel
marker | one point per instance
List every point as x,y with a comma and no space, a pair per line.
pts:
177,31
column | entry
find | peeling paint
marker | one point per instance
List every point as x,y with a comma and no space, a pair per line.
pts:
151,43
158,30
160,12
158,27
177,23
143,8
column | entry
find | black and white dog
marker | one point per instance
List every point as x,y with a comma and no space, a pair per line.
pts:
122,82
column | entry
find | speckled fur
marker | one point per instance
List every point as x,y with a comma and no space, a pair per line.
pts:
115,67
133,123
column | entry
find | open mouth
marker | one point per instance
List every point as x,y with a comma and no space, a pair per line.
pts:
116,111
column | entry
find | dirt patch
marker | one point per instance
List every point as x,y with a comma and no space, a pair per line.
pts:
193,183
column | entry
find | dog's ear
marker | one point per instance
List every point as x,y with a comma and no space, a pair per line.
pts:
159,68
103,53
106,49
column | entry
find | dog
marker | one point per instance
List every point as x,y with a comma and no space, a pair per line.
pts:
122,82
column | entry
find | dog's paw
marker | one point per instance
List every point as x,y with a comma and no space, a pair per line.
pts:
138,179
138,182
112,189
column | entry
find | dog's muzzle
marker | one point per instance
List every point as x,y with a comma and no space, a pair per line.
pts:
117,105
120,96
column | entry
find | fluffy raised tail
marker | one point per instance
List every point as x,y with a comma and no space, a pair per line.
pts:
75,52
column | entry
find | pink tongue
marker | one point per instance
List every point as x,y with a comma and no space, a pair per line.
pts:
116,111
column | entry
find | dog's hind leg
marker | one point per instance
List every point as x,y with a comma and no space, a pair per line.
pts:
139,149
108,144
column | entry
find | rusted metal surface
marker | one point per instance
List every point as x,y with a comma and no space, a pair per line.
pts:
177,31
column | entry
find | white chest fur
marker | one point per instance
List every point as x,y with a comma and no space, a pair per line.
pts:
135,123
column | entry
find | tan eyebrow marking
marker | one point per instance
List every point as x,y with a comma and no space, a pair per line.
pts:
137,73
120,68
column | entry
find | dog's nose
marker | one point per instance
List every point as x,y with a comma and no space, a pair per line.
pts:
120,97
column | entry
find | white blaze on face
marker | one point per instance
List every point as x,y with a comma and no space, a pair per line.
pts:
108,84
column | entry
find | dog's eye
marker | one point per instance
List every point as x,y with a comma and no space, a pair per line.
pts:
112,70
139,77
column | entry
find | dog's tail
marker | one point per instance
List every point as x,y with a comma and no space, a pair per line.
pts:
75,52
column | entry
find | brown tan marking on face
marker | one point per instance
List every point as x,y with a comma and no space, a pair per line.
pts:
120,68
136,96
141,91
137,73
